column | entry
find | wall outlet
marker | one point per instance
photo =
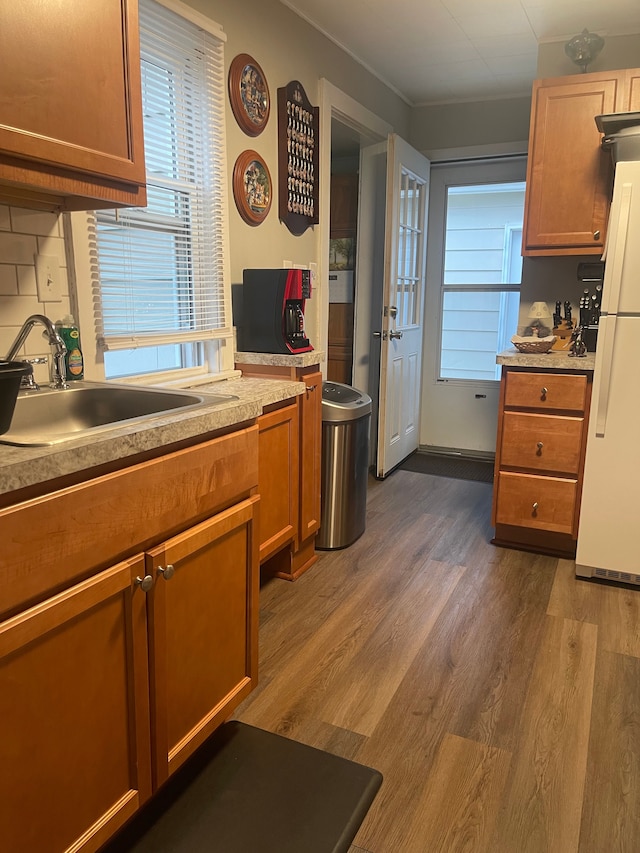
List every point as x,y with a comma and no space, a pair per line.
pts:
48,278
286,265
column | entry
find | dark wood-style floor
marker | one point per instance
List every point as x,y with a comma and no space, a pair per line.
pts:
498,695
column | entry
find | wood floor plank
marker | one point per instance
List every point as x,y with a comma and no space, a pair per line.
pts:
458,807
508,664
338,668
360,696
611,812
542,810
614,608
469,679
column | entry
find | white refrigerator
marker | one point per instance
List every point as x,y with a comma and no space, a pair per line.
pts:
609,529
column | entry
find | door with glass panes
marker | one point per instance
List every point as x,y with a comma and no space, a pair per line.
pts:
474,268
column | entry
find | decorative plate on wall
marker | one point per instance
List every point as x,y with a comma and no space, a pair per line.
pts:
252,187
249,94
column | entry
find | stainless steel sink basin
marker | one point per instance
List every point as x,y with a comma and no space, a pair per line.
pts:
50,416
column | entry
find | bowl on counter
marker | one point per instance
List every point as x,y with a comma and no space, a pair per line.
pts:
11,372
532,344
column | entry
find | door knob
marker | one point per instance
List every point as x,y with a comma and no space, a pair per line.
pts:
395,335
167,571
145,583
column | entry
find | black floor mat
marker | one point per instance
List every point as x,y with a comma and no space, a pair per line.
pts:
449,466
251,791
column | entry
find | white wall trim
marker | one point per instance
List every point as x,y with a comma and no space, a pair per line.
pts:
197,18
334,103
477,152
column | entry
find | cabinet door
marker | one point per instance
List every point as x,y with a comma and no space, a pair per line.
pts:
70,93
278,478
568,174
632,101
203,624
310,455
74,742
344,205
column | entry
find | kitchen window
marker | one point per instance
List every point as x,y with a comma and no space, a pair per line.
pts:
161,282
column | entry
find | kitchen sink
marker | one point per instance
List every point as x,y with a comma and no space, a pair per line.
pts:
51,416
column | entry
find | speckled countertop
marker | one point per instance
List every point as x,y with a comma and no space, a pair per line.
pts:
553,360
28,466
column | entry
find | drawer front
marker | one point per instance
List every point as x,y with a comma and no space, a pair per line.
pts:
541,442
546,391
543,503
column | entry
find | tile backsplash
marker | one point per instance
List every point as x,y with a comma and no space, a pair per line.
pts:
23,235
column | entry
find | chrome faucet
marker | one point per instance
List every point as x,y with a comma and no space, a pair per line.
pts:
57,368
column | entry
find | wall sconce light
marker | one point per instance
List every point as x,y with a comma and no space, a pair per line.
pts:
584,48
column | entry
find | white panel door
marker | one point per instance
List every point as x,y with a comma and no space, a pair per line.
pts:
403,297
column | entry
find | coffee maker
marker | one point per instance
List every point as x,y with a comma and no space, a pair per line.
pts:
273,303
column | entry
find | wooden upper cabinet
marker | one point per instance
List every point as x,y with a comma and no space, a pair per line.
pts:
344,205
568,174
633,86
71,132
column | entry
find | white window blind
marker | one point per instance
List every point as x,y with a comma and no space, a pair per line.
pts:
162,269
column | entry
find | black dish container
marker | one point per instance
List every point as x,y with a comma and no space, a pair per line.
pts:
11,372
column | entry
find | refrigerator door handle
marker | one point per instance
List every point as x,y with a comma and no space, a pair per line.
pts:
616,253
606,340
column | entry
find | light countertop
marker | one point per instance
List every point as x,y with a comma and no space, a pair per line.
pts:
28,466
553,360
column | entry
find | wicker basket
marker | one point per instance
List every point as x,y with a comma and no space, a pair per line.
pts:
533,345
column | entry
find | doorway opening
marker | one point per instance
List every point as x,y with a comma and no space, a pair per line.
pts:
343,229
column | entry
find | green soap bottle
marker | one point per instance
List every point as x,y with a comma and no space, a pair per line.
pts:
69,333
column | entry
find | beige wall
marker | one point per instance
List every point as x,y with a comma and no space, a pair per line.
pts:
618,52
287,48
472,124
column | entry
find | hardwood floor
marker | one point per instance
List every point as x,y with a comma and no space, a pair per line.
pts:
498,695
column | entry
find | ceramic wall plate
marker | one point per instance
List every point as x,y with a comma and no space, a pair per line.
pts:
249,94
252,189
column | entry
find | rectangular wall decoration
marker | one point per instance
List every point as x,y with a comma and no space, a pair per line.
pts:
298,138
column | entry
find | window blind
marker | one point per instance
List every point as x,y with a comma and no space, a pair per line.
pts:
161,269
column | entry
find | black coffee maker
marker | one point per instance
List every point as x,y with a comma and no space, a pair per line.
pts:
273,303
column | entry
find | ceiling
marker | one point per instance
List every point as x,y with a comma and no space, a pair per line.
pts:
435,51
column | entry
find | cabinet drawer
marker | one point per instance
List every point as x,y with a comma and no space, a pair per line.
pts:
541,442
546,391
529,500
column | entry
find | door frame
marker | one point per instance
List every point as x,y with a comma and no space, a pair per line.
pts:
336,104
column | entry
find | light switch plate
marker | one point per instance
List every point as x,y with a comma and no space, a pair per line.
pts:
48,278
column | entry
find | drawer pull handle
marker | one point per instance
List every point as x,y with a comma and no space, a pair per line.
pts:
596,235
167,571
535,507
543,393
145,583
539,445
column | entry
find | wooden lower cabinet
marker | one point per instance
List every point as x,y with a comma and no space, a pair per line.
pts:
203,643
278,478
74,705
295,558
540,459
108,686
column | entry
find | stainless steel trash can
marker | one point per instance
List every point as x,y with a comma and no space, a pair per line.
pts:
346,422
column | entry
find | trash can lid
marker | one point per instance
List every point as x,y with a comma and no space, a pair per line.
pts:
343,403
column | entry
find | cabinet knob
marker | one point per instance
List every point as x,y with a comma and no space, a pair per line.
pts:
145,583
167,572
543,393
539,445
535,507
311,387
596,235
